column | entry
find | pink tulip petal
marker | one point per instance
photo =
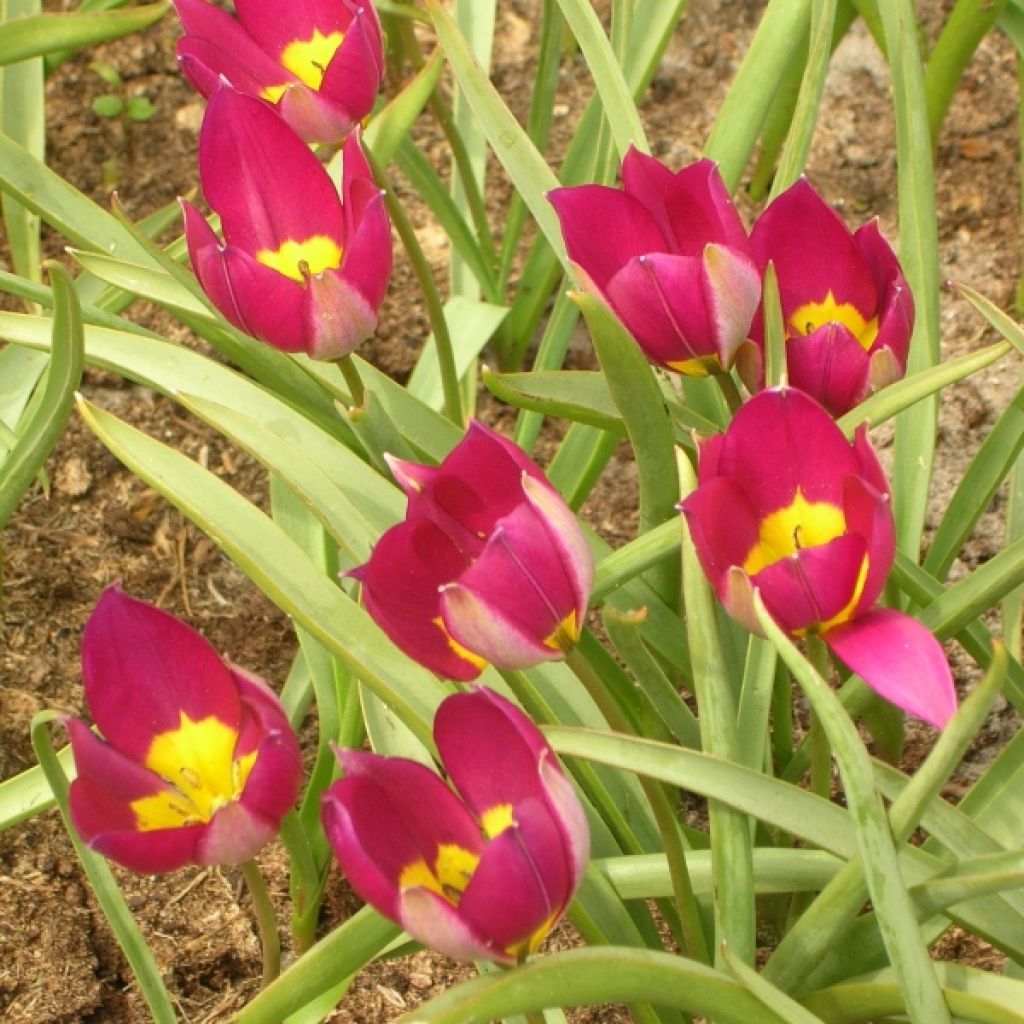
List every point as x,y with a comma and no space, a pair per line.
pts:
831,366
234,835
566,536
432,920
275,780
868,465
490,749
389,813
409,564
261,178
808,450
732,292
709,450
275,25
869,515
121,778
880,260
645,176
150,853
900,659
627,230
896,324
206,254
723,527
215,45
313,116
662,300
367,261
206,64
481,627
143,669
814,585
262,712
355,72
339,319
700,211
813,252
478,485
506,898
274,307
568,811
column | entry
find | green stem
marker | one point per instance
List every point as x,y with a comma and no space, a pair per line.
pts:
356,388
968,23
729,391
102,882
431,298
691,932
266,921
305,883
821,753
442,112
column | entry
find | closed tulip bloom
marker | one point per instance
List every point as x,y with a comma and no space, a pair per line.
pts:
489,564
484,872
319,61
669,254
787,506
195,763
846,306
299,268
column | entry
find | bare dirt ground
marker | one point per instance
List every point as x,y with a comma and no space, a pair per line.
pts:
58,963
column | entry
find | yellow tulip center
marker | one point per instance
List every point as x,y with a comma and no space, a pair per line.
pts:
198,760
812,315
699,366
298,260
308,59
566,635
800,524
454,865
457,649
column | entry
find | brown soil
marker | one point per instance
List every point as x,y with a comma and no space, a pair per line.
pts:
58,962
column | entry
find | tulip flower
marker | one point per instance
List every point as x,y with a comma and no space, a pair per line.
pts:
319,61
196,761
489,565
846,306
669,254
787,506
482,875
299,268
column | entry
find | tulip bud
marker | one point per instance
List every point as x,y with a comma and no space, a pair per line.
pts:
196,761
669,254
485,874
489,565
320,61
787,506
300,268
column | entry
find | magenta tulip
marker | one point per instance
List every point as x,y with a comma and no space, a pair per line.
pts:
787,506
489,565
196,761
319,61
481,875
669,254
299,268
846,306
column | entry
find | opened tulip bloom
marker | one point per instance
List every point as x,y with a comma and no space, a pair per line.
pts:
319,61
787,506
489,565
299,267
484,874
669,254
846,306
196,761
